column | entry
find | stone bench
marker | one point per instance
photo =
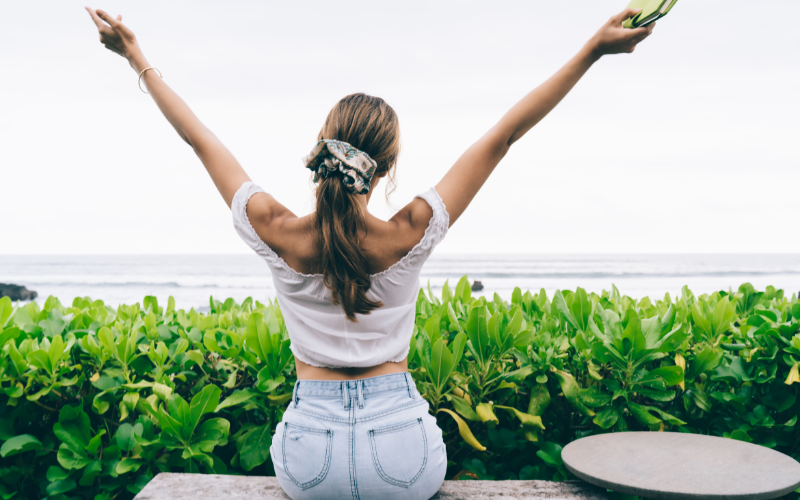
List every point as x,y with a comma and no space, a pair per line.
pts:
170,486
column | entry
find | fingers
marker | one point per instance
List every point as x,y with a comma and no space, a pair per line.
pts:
119,18
105,16
97,21
625,14
639,34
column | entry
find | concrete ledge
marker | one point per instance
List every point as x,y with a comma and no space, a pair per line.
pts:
170,486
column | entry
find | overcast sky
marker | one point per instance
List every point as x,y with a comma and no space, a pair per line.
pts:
688,145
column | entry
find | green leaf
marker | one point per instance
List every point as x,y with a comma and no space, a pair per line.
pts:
138,484
266,384
8,333
61,486
195,356
90,473
594,397
671,375
526,419
706,360
518,376
258,337
19,444
433,329
700,321
125,438
235,399
6,308
607,417
40,360
723,314
441,364
477,331
666,417
551,454
128,465
581,309
56,473
464,430
642,414
741,435
571,391
162,391
203,402
256,447
72,459
563,308
540,400
464,409
95,442
73,427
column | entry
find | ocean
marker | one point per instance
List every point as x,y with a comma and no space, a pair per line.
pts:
191,279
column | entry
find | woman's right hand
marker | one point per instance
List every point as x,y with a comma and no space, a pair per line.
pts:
115,36
612,38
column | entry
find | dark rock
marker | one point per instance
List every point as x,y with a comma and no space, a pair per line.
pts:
17,292
477,286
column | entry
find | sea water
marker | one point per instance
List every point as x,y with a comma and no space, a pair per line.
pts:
191,279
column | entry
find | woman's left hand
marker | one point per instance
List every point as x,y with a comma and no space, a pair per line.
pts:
114,35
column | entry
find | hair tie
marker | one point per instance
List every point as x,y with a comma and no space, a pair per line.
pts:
330,155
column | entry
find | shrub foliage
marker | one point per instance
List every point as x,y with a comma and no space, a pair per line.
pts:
94,401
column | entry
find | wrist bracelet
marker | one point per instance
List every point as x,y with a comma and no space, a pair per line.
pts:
142,73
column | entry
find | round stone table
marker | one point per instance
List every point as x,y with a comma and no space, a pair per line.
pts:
671,465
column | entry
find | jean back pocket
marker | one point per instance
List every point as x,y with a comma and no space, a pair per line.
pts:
400,452
306,454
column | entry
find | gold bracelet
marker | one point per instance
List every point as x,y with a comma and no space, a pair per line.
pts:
140,78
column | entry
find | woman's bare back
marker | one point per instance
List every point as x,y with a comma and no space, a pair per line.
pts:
294,238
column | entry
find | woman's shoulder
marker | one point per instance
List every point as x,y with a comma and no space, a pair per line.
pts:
411,222
389,242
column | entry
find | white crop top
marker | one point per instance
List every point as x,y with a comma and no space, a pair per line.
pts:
320,332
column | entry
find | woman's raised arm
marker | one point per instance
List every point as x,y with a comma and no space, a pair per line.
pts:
465,178
223,168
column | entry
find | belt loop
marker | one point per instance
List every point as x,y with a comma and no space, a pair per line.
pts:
345,395
360,387
408,385
295,399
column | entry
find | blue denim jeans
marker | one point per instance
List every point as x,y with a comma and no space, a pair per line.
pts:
362,439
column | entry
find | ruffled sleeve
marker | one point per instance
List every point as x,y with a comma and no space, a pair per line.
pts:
434,234
242,224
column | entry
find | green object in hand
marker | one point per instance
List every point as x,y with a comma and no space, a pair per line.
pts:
651,10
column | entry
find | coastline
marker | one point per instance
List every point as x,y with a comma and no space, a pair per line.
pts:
191,279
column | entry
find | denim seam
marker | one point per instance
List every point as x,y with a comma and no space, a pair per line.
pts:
394,428
325,466
393,410
364,419
352,451
379,468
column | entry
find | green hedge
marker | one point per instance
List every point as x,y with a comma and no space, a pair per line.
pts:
94,401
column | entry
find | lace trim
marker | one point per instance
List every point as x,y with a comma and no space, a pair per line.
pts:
301,355
271,256
434,233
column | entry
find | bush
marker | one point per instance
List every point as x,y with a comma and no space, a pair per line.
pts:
94,401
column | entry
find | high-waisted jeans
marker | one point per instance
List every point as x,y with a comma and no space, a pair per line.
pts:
361,439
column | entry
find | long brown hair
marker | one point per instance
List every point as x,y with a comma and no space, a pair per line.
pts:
367,123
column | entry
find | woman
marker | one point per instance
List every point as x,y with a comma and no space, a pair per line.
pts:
347,282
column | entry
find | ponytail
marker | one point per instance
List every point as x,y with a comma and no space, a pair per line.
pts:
340,222
370,125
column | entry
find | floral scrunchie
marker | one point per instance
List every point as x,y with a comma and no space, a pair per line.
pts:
330,155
